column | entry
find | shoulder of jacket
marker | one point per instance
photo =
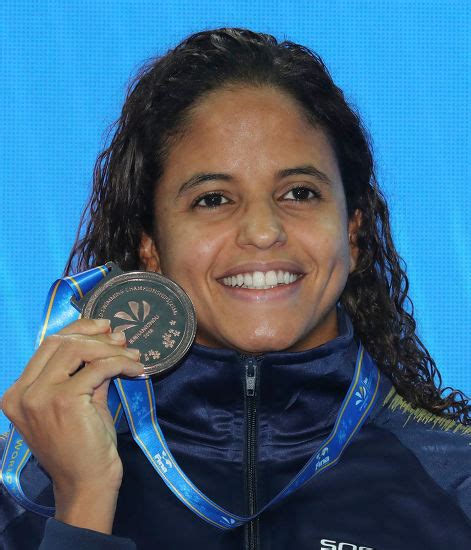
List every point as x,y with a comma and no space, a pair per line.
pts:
399,414
441,445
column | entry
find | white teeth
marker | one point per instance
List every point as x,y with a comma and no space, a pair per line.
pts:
258,279
261,280
271,278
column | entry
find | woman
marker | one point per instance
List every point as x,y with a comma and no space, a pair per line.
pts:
238,170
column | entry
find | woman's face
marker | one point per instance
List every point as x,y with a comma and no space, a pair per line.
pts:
252,223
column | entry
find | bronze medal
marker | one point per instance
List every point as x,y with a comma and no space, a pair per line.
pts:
155,314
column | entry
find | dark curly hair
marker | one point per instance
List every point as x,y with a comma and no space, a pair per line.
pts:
155,112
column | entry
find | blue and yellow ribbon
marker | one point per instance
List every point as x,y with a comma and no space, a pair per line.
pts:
137,397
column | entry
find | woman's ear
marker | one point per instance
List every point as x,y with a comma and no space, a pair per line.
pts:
148,254
353,227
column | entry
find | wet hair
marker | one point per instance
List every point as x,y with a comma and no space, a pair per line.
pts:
157,108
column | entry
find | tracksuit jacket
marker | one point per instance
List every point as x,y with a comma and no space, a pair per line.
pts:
241,429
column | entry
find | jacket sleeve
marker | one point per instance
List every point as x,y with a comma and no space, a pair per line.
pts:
58,535
28,531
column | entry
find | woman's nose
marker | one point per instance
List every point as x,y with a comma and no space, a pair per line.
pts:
261,226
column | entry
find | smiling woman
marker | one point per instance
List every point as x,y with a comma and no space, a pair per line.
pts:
238,170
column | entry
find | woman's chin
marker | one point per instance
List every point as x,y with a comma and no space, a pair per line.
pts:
252,343
265,337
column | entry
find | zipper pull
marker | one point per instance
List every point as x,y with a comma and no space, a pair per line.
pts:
250,377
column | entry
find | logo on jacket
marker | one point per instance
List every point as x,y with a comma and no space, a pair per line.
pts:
327,544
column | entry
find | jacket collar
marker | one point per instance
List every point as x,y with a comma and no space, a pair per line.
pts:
298,394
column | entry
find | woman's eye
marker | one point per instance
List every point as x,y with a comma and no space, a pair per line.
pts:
211,200
301,194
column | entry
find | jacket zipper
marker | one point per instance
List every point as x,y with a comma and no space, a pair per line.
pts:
251,528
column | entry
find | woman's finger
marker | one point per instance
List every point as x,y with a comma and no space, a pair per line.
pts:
99,329
89,327
95,373
74,350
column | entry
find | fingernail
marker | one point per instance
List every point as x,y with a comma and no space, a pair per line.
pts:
141,370
105,323
118,336
134,352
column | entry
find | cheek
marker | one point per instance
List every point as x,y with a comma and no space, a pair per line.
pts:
187,253
328,242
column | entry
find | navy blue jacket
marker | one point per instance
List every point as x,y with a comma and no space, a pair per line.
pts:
404,482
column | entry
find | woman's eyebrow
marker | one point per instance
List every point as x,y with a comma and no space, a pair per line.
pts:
198,179
306,170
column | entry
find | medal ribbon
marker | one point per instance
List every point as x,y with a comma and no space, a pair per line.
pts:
137,399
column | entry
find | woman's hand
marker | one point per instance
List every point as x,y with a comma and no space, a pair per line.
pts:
61,411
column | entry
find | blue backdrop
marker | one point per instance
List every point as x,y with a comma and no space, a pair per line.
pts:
404,64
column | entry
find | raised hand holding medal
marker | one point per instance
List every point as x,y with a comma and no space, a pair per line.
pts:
83,495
